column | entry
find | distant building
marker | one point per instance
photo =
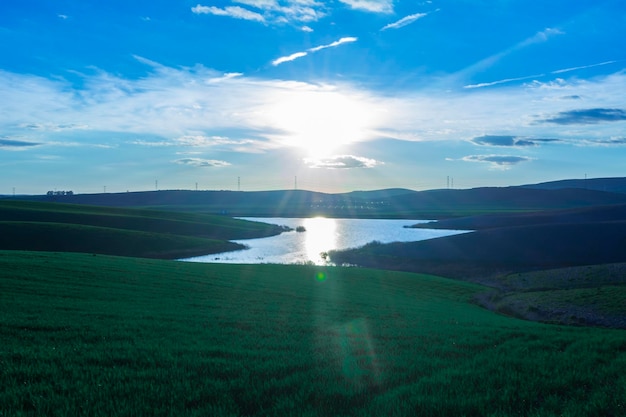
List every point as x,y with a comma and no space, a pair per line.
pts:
57,193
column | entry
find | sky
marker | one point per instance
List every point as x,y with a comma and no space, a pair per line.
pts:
330,96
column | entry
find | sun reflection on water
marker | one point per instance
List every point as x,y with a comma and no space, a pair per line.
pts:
320,237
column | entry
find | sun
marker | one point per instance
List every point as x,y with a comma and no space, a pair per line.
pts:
320,122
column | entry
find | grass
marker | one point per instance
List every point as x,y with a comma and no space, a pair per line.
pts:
153,221
124,232
63,237
585,295
108,336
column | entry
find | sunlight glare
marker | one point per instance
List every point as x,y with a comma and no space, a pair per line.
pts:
322,121
320,237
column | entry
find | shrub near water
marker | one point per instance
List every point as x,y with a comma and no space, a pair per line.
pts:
104,336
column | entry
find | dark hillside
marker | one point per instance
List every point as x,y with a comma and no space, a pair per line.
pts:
186,224
394,203
613,185
490,221
510,199
63,237
485,255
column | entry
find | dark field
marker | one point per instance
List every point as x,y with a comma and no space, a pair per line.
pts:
125,232
508,252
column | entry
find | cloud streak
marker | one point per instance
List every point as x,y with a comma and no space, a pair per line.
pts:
482,65
302,54
527,77
342,162
405,21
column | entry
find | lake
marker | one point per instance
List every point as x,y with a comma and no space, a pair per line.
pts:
320,235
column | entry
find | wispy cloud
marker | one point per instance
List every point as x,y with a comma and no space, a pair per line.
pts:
374,6
587,116
202,142
504,81
509,141
539,37
536,76
497,161
405,21
297,55
342,162
230,11
202,163
341,41
186,108
288,58
561,71
269,11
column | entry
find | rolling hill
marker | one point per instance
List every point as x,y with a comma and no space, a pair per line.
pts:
121,231
391,203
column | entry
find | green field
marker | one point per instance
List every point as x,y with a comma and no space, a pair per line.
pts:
125,232
108,336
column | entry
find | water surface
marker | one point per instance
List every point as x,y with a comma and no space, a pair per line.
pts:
321,235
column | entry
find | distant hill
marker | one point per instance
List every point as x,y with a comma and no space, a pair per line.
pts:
608,213
386,193
613,185
390,203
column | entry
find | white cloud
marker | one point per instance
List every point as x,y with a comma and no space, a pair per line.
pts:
342,162
259,4
540,37
230,11
535,76
288,58
502,162
186,108
203,163
407,20
374,6
270,11
503,81
561,71
306,29
341,41
297,55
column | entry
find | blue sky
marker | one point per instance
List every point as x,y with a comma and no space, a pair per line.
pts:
328,96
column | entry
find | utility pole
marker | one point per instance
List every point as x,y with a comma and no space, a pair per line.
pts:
196,186
105,189
295,182
238,183
156,185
